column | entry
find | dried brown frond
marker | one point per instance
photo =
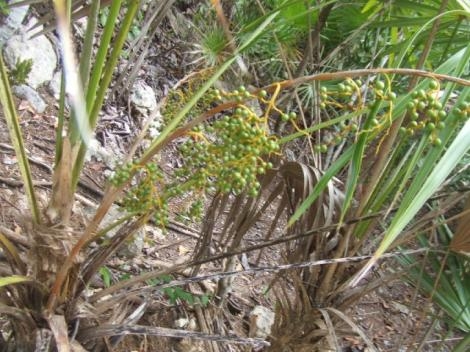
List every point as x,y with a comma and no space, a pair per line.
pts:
460,243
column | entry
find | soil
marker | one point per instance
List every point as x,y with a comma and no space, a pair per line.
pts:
390,316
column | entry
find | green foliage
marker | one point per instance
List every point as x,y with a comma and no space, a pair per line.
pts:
213,46
135,28
106,275
447,284
20,73
4,9
176,293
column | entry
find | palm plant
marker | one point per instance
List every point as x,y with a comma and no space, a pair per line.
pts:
389,156
45,291
392,134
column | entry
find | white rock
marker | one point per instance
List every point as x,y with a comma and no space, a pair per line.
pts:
39,49
13,22
185,323
153,232
156,124
261,322
143,97
25,92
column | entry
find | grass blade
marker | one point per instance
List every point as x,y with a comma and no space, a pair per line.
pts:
13,279
14,129
11,251
356,160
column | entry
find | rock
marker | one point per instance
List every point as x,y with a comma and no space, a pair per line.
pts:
38,49
143,97
100,153
27,93
13,22
133,246
156,125
261,322
54,84
185,323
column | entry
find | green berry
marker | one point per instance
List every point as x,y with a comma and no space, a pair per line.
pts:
433,84
430,126
437,105
379,85
414,115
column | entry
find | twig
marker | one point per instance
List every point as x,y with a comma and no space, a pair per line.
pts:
220,275
365,72
117,330
278,268
30,158
17,183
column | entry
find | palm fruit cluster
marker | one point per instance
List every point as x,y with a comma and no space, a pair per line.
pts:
228,154
148,193
349,96
426,114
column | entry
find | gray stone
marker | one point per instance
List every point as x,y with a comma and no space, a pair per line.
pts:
143,97
156,124
54,84
13,22
27,93
100,153
38,49
261,322
131,248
